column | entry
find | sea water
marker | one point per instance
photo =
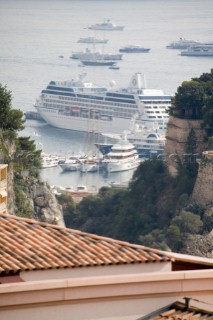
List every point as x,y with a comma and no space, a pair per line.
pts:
35,33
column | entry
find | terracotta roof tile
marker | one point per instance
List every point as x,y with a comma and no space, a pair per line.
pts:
179,311
30,245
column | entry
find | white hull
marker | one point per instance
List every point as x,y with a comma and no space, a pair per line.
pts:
122,166
70,166
89,167
116,125
95,56
106,29
202,50
197,54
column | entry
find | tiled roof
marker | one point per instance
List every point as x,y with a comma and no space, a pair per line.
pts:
179,311
27,244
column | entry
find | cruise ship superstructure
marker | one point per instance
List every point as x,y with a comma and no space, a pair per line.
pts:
81,106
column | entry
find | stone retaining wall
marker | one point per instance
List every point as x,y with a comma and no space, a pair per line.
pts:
176,139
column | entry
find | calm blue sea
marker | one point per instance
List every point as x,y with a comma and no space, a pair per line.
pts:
34,33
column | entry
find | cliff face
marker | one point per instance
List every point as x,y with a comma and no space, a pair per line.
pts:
36,197
41,202
176,139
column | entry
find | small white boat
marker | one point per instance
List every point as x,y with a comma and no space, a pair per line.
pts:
71,164
48,161
92,40
122,157
106,26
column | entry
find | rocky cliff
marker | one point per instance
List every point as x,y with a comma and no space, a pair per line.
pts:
34,196
41,202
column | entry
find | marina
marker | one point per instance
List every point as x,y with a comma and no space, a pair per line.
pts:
31,56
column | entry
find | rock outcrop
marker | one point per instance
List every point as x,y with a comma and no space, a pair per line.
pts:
37,200
40,202
200,246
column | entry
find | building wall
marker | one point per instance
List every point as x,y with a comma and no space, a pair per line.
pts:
95,271
125,297
176,138
203,190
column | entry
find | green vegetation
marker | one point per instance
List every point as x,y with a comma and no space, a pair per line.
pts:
151,211
18,152
194,100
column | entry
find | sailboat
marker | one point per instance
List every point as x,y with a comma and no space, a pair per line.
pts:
92,161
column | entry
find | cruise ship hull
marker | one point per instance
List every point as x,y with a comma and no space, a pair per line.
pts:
113,125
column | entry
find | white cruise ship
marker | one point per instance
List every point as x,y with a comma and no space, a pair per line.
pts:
81,106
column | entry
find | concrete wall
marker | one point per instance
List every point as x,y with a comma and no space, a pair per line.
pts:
110,270
176,138
103,298
203,190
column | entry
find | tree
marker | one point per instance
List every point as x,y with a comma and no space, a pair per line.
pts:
26,155
190,156
194,100
188,101
10,119
187,222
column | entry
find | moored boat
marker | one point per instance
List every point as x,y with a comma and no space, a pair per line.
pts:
107,25
91,40
70,164
89,55
122,157
182,43
134,49
89,165
201,50
97,63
